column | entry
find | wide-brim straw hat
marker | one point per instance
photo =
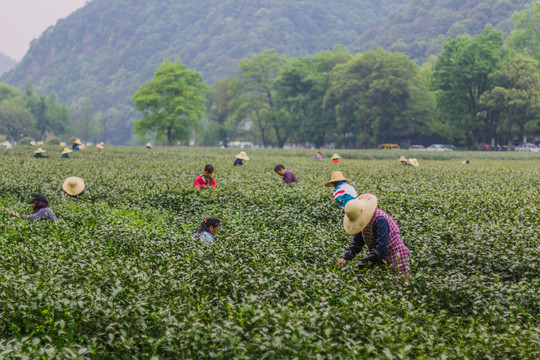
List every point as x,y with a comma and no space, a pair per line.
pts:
33,143
66,151
402,158
62,144
99,146
336,176
77,142
242,156
336,156
358,213
39,151
148,145
413,162
73,185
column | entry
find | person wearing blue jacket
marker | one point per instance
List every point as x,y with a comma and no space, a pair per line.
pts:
343,190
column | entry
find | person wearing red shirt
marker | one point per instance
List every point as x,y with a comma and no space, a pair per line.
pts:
206,180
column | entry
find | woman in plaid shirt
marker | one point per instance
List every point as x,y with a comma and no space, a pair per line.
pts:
373,227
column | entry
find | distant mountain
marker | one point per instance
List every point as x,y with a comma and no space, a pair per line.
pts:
420,28
107,49
6,63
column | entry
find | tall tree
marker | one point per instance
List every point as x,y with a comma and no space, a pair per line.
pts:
16,121
460,77
512,108
301,88
171,102
371,95
221,100
526,36
256,77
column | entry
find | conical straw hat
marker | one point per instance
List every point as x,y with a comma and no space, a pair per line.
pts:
242,156
358,213
62,144
38,151
336,156
99,147
336,176
413,162
73,185
33,143
148,145
402,158
78,142
66,151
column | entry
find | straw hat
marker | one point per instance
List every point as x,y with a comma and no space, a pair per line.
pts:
336,156
413,162
358,213
242,156
62,144
336,176
402,159
77,142
33,143
149,145
99,147
39,151
82,147
66,151
73,185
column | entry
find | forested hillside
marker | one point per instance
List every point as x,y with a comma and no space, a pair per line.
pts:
6,63
419,29
103,52
107,49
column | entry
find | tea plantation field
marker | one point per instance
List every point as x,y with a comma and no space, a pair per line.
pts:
120,277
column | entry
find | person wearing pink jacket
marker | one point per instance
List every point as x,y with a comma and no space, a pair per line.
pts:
206,180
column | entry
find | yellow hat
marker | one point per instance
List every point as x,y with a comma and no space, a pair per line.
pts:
336,156
413,162
39,151
336,176
73,185
99,147
242,156
77,142
358,213
402,158
33,143
149,145
82,146
66,151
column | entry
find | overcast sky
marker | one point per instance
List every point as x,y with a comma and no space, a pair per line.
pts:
21,21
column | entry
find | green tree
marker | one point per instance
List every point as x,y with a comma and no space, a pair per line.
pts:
512,107
16,121
255,78
301,88
221,100
87,125
371,96
461,75
171,103
526,37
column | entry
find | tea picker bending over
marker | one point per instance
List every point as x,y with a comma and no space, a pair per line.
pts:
288,176
206,180
239,159
343,190
373,227
42,211
73,187
208,230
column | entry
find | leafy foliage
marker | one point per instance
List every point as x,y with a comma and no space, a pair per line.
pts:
120,276
171,102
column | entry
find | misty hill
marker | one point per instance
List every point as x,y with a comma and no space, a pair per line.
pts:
6,63
107,49
420,28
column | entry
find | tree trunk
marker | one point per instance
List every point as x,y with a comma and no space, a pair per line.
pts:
169,136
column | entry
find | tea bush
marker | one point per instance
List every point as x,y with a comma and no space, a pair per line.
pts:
119,275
